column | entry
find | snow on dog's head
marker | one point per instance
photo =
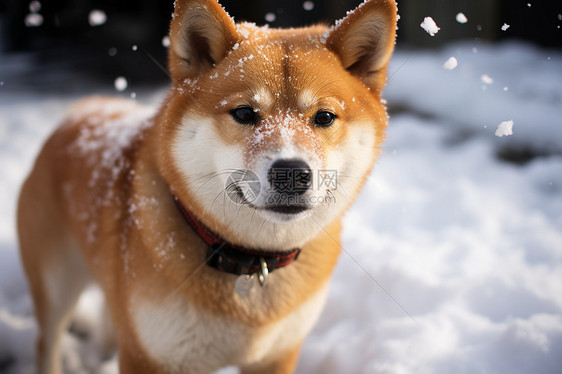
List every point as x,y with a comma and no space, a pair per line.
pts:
299,110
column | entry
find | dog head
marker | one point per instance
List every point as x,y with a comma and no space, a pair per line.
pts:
268,134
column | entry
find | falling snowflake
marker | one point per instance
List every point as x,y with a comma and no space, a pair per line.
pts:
166,41
486,79
430,26
308,5
33,20
120,84
34,6
505,129
461,18
450,64
97,17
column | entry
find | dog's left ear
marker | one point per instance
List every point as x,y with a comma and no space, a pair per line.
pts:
201,34
364,41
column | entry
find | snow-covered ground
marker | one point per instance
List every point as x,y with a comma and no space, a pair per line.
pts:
452,256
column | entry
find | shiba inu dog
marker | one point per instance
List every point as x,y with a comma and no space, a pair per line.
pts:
211,225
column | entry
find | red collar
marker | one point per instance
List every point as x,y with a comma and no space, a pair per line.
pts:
230,258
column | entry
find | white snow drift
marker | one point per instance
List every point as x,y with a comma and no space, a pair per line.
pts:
452,258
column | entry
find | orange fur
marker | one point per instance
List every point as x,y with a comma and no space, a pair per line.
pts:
98,203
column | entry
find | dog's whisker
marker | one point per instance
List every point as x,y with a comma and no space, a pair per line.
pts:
211,176
223,191
239,208
223,204
342,190
222,172
262,222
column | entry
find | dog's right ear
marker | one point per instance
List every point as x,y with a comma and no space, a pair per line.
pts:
201,34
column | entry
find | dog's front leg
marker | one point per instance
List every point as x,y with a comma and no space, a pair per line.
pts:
283,364
134,362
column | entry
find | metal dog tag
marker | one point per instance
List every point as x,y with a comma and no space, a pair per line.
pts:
244,284
263,273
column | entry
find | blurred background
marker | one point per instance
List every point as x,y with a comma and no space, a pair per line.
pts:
96,36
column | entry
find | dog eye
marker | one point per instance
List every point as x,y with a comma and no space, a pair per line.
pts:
244,115
324,119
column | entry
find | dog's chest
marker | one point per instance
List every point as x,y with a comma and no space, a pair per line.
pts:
179,336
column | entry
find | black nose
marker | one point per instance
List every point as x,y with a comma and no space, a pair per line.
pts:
290,176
